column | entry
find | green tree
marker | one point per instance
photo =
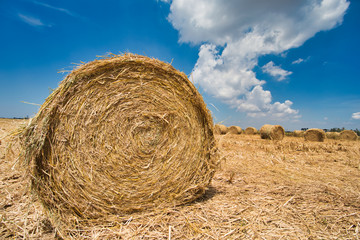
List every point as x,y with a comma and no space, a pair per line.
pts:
357,131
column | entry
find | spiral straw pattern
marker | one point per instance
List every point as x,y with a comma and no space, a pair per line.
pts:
120,134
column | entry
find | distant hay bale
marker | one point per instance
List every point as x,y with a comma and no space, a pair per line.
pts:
120,134
348,135
298,133
220,129
234,130
273,132
333,135
250,131
314,135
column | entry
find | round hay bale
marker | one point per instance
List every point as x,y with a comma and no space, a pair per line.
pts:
250,131
348,135
234,130
333,135
298,133
273,132
314,135
120,134
220,129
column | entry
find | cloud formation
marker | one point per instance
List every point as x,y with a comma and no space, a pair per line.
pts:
234,34
32,21
356,116
63,10
298,61
59,9
275,71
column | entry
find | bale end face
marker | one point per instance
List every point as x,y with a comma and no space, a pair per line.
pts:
234,130
333,135
250,131
273,132
298,133
220,129
118,135
348,135
314,135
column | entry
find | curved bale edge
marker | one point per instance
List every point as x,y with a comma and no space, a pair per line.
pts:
298,133
250,131
333,135
119,135
348,135
220,129
234,130
273,132
314,135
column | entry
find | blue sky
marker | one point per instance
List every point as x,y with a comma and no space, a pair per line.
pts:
292,63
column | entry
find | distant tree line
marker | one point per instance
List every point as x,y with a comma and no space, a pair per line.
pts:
342,129
27,117
357,131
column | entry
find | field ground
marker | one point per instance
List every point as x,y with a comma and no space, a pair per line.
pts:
289,189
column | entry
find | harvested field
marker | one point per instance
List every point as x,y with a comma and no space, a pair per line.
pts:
289,189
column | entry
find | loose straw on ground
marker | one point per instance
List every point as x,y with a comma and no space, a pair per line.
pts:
120,134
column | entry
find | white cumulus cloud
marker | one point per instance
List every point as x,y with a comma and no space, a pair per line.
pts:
275,71
233,34
356,116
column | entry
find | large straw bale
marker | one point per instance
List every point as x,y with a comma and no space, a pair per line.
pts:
220,129
348,135
120,134
273,132
315,135
298,133
234,130
333,135
250,131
